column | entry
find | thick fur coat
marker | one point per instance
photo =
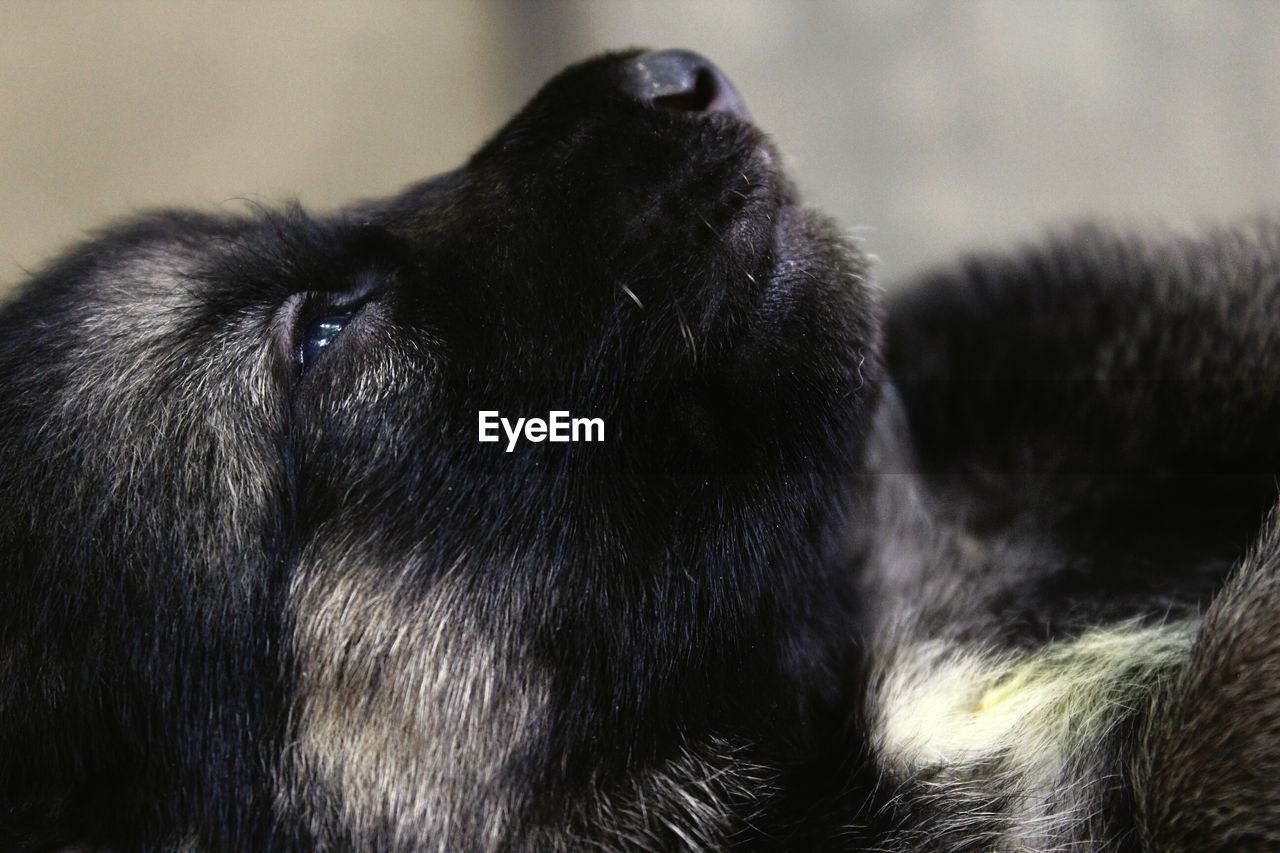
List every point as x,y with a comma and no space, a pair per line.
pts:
989,566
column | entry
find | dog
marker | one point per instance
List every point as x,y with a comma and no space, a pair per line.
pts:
590,496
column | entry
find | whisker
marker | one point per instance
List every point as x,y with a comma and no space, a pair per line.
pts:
632,294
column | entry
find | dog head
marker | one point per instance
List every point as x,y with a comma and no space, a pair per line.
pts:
267,584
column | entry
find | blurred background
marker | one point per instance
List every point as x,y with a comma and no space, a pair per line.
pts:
927,127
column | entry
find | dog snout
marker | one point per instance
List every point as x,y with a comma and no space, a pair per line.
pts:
682,81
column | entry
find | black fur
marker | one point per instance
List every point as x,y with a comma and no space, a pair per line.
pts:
252,607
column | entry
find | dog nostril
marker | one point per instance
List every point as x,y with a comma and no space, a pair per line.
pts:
681,81
696,100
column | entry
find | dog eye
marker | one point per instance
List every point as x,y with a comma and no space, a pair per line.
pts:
318,334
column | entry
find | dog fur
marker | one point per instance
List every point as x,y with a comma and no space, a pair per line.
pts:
988,567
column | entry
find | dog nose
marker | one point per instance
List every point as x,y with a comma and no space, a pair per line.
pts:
681,81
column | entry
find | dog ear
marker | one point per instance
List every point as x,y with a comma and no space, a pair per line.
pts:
1208,776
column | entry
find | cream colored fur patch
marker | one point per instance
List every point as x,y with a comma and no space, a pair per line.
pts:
943,707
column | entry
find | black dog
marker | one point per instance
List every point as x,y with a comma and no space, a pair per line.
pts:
278,580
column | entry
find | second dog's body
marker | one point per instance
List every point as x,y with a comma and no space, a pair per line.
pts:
1050,665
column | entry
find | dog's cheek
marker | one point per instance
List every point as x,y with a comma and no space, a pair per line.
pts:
412,698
